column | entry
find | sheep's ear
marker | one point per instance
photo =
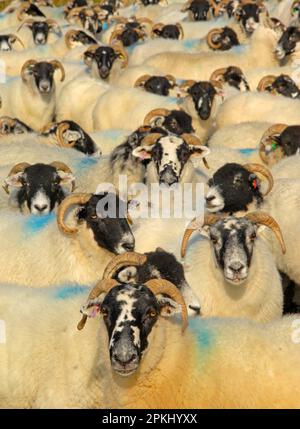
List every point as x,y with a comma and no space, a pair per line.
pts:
199,151
93,306
142,152
168,307
66,178
16,180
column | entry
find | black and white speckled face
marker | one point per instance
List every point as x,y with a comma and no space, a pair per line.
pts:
288,42
130,313
233,240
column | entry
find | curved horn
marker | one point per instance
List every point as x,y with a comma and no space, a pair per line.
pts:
6,120
265,82
181,32
15,38
162,286
102,286
185,86
26,65
27,22
258,168
71,200
60,130
18,168
144,20
68,37
171,79
209,219
273,130
124,260
74,13
151,139
156,27
153,113
195,141
269,157
218,74
140,82
114,37
22,10
122,54
186,6
58,65
262,218
209,38
63,167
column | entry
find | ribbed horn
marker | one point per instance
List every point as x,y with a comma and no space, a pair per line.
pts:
209,38
71,200
181,32
154,113
102,286
26,65
18,168
124,260
15,38
63,167
8,121
28,22
265,82
275,129
162,286
186,6
156,27
151,139
258,168
115,36
195,141
269,157
140,82
262,218
209,219
60,130
171,79
185,86
218,74
58,66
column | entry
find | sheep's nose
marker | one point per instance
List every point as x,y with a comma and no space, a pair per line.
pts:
210,198
236,267
125,358
40,208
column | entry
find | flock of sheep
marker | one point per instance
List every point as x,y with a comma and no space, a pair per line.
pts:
174,313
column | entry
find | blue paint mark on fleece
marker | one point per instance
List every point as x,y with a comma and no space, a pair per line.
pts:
247,151
85,163
105,26
190,44
34,224
203,335
70,291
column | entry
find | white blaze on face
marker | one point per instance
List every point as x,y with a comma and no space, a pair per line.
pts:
169,155
40,203
127,303
4,46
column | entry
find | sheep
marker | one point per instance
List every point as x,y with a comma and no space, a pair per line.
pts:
279,85
206,356
77,252
236,189
8,41
258,107
259,52
39,32
10,125
31,98
39,187
106,113
238,275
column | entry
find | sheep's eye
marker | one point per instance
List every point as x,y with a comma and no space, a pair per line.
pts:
253,236
104,312
152,313
213,239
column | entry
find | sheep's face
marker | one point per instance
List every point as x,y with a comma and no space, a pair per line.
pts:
231,189
12,126
105,215
285,86
129,36
81,38
43,74
129,313
288,42
177,122
170,31
40,187
90,22
248,15
236,79
228,38
33,11
158,85
203,94
200,10
104,58
162,265
6,42
40,32
233,241
170,155
290,140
